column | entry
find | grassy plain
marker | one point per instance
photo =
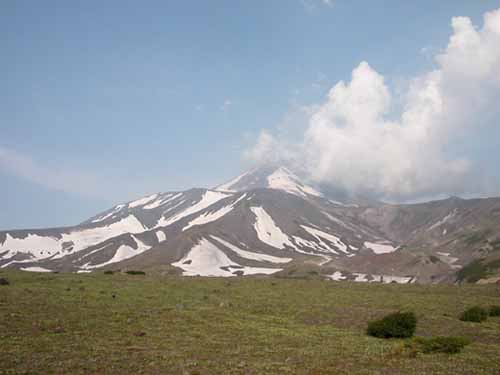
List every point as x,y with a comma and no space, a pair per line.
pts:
133,324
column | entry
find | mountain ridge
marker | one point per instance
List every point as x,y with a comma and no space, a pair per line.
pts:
239,227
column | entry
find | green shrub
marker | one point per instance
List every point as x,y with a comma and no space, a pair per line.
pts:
476,237
478,269
440,344
495,310
493,264
473,272
474,314
434,259
136,272
393,325
108,272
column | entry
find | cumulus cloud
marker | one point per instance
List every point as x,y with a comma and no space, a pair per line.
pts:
357,141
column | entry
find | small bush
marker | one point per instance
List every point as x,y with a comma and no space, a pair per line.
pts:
398,324
4,281
136,272
474,314
493,265
495,310
440,344
473,272
108,272
434,259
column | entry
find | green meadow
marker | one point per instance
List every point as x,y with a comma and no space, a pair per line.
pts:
135,324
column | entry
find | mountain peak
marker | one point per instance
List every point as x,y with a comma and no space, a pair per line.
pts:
276,177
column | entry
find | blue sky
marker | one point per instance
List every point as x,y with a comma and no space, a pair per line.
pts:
102,102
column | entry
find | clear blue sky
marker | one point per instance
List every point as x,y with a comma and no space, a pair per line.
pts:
105,101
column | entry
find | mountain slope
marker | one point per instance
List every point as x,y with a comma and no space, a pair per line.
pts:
266,221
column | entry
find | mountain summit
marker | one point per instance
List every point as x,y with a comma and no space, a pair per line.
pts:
279,178
267,221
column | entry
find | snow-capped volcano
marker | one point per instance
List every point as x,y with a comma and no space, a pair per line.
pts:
265,221
280,178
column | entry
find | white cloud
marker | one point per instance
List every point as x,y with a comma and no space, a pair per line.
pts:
355,139
266,150
54,178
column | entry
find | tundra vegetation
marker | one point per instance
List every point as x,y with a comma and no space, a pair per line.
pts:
476,314
152,324
398,325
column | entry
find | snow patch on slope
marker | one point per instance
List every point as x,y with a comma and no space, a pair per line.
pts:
388,279
36,269
228,186
182,201
318,234
385,279
208,198
283,179
38,247
100,248
42,247
162,201
267,231
445,257
444,220
142,201
92,236
205,259
252,255
160,235
122,253
114,211
360,277
336,276
379,248
208,217
302,242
